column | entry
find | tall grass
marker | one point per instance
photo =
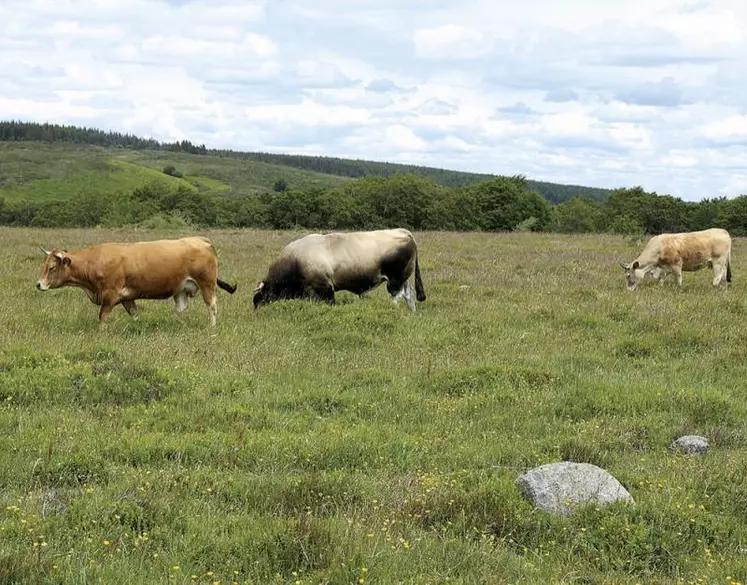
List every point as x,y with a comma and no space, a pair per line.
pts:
360,443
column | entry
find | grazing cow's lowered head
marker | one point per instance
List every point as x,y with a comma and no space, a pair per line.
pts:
260,295
633,274
284,280
55,272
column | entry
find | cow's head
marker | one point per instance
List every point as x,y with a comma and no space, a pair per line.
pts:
633,274
55,271
260,295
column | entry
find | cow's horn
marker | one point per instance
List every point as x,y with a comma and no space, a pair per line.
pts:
624,266
260,286
45,251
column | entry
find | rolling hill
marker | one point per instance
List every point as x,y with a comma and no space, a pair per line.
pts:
41,171
45,161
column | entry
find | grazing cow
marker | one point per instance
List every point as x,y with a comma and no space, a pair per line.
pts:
689,251
111,274
318,265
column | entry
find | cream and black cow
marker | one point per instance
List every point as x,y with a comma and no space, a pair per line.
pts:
316,266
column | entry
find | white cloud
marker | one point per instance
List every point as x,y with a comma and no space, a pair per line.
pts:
679,159
450,42
647,92
73,29
726,128
252,45
403,139
307,113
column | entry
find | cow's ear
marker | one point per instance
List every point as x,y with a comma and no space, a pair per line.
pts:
635,265
64,257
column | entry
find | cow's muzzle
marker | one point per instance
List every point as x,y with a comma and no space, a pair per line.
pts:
40,286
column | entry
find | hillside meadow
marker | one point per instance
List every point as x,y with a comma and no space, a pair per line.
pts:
39,171
360,443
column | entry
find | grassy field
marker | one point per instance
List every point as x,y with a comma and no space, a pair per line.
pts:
37,171
360,443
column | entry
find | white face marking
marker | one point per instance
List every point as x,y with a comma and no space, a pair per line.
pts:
633,277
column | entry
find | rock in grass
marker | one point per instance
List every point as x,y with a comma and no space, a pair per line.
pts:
559,487
690,445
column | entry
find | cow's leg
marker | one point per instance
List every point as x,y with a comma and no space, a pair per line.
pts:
719,271
406,293
677,271
187,291
181,300
109,300
130,307
211,299
398,289
104,312
328,296
325,292
409,296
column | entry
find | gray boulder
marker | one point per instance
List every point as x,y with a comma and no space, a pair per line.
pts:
559,487
690,445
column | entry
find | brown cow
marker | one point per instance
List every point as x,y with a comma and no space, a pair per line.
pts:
112,274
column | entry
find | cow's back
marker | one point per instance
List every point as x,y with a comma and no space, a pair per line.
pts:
156,267
341,253
694,249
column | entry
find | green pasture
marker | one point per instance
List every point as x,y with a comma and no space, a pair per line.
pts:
360,443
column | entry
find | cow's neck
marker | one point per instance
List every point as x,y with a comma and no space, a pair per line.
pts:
82,278
646,261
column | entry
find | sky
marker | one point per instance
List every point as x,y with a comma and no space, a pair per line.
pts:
587,92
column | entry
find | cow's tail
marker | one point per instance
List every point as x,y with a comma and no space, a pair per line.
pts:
229,288
728,266
419,288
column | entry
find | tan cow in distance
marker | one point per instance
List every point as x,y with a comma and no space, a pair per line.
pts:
687,251
117,273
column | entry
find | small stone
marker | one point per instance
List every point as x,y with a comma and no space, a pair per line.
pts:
690,445
559,487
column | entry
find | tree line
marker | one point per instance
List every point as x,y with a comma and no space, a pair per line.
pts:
31,131
369,203
499,204
25,131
